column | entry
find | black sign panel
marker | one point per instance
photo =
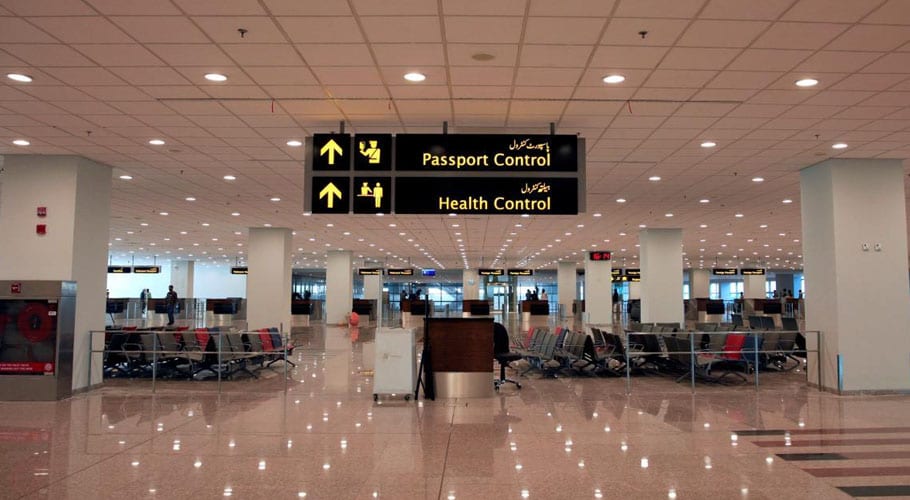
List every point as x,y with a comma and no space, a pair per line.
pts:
521,272
620,278
600,255
119,269
371,271
373,152
330,195
752,271
633,275
240,270
724,271
147,269
486,195
399,272
372,195
615,272
491,272
331,152
486,153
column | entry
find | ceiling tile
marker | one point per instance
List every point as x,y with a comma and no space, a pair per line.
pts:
888,99
768,59
321,29
471,91
191,54
281,75
363,75
542,92
80,108
223,7
891,63
563,30
336,54
872,38
482,30
484,7
548,76
661,32
134,7
49,55
225,29
837,61
160,29
419,91
469,75
745,9
48,8
151,76
403,29
410,54
174,92
307,8
15,30
395,7
743,79
86,30
85,76
580,8
830,11
669,78
700,58
503,55
891,12
119,54
798,35
627,56
706,33
294,91
658,8
115,93
838,97
569,56
869,81
57,93
357,91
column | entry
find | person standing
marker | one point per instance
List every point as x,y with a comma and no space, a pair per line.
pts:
616,305
170,303
543,294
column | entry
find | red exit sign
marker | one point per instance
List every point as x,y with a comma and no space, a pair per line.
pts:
600,255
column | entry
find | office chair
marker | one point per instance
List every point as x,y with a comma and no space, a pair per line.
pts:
503,355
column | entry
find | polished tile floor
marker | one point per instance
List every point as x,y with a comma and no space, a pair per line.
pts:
320,435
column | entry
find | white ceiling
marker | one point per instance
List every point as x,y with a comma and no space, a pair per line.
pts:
111,74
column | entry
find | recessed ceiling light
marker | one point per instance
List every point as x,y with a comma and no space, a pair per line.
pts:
702,226
215,77
654,178
668,214
787,201
274,198
807,82
190,198
597,214
229,178
267,224
235,214
156,142
704,200
205,224
415,76
620,200
21,142
295,143
839,145
162,213
758,179
19,77
482,56
126,177
614,79
739,216
708,144
642,226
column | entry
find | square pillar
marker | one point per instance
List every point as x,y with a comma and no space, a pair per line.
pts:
339,286
566,280
268,282
661,276
598,291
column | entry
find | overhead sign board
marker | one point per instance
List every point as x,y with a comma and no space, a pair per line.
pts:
371,271
490,272
119,269
521,272
240,270
752,271
600,255
724,271
331,152
486,153
373,152
616,272
399,272
146,269
633,275
486,195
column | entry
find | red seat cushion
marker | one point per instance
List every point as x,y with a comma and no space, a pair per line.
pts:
734,345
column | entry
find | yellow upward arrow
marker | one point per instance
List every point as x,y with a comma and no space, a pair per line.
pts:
332,148
332,192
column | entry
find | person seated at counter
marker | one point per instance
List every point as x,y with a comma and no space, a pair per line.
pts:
307,294
543,294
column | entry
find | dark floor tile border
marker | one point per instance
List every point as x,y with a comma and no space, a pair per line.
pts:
877,491
798,457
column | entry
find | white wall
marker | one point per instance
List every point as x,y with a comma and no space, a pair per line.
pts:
131,285
217,282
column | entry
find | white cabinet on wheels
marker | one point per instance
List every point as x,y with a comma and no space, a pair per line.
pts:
395,368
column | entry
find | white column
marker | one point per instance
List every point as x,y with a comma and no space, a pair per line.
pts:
754,287
854,225
699,283
598,291
634,290
268,284
470,284
339,286
566,279
183,277
372,289
77,194
661,276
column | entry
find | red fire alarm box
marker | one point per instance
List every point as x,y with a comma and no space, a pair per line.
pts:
42,211
15,287
41,229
